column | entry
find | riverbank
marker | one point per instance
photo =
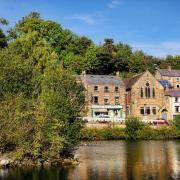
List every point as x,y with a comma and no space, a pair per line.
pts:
7,161
116,133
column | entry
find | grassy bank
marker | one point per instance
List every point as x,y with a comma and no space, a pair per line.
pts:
134,130
110,133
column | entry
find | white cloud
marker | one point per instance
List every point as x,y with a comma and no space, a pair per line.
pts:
88,19
114,4
158,49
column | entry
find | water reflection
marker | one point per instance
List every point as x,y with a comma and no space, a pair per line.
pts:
113,160
129,160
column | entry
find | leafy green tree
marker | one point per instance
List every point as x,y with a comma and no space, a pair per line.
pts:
45,96
3,38
124,52
106,57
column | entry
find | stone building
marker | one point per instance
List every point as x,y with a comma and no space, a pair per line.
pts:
105,97
170,79
171,75
145,97
173,99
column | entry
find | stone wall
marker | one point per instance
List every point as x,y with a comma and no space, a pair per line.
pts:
137,101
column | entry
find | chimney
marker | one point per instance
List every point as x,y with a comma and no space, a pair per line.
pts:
169,68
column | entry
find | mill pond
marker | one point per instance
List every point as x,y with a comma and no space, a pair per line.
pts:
112,160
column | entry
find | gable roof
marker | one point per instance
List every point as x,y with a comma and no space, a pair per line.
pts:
129,82
101,79
169,72
173,93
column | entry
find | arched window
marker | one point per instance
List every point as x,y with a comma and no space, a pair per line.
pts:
147,91
153,92
142,93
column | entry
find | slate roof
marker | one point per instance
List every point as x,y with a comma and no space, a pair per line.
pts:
173,93
171,73
165,83
129,82
101,79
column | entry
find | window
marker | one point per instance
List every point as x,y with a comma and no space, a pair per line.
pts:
95,100
178,86
106,89
148,110
147,91
116,100
142,94
154,110
106,100
177,109
145,111
153,92
142,111
176,99
95,88
116,89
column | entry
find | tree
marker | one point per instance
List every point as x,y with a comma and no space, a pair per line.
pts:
106,57
3,39
45,96
124,52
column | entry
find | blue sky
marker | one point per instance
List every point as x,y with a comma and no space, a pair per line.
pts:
150,25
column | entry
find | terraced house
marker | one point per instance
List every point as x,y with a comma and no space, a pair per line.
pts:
151,98
105,97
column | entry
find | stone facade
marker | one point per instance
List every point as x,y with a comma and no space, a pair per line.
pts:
105,96
145,97
173,76
148,97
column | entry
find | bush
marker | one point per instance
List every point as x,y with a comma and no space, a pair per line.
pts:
133,126
176,124
106,133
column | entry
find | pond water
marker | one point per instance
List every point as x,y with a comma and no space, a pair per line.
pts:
113,160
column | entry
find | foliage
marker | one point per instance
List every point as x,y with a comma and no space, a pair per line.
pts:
40,100
133,126
3,38
106,133
176,124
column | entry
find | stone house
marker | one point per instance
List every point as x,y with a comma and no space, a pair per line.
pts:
170,79
145,97
105,97
173,99
173,76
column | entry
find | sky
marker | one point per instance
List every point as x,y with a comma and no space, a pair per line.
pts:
149,25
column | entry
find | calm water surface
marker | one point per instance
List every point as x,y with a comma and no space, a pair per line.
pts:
113,160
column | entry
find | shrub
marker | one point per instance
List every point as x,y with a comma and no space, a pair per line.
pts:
106,133
133,126
176,124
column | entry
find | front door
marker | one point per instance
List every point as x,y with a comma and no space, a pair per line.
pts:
164,115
